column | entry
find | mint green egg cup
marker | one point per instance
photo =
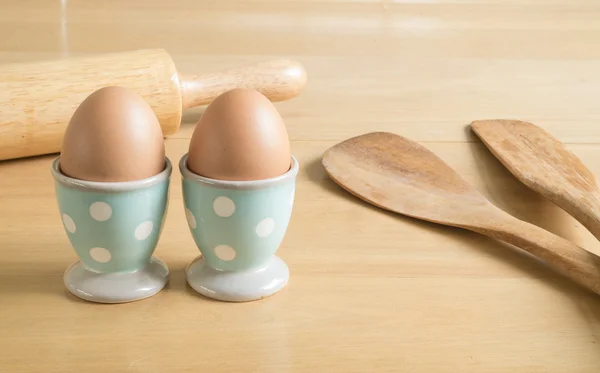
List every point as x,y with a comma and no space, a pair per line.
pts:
114,228
238,226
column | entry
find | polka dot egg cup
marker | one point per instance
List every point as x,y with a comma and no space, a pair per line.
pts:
238,226
114,228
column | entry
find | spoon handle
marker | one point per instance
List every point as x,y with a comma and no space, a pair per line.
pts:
585,208
562,256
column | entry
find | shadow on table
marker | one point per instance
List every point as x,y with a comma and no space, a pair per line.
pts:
31,278
178,282
46,280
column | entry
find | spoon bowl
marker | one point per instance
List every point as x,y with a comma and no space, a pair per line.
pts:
543,164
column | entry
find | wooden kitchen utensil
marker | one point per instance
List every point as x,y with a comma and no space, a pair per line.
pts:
37,99
399,175
543,164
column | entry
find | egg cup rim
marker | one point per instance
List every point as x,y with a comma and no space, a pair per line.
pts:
187,174
111,186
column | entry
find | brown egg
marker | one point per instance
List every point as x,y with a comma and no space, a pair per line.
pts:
113,136
240,136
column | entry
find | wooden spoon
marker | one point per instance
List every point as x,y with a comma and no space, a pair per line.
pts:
399,175
543,164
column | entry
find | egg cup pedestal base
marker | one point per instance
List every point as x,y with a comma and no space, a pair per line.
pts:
116,287
239,286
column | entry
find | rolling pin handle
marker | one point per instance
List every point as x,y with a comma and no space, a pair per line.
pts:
278,80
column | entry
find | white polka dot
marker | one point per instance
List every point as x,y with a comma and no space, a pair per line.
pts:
190,218
69,223
100,211
224,206
143,230
100,254
225,252
265,227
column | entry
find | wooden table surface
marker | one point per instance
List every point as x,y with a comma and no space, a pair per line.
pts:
369,291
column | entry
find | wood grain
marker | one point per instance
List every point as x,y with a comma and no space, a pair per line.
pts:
370,291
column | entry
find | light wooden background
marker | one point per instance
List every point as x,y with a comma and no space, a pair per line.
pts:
369,291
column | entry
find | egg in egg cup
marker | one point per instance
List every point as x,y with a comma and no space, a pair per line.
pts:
238,180
112,183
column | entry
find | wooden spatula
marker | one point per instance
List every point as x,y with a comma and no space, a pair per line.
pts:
542,163
399,175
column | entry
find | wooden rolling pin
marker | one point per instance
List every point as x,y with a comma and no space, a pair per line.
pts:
37,99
